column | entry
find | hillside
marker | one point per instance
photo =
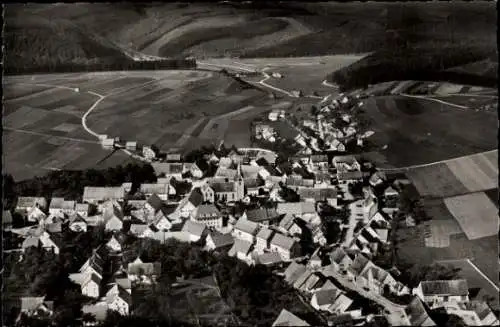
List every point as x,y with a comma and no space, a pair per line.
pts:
54,33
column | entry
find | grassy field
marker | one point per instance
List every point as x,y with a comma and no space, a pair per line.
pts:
43,126
419,131
478,172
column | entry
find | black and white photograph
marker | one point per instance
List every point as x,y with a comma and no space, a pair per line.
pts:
250,163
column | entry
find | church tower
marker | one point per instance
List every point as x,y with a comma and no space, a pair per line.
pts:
239,185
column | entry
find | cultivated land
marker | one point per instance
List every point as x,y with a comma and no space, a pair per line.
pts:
419,131
43,114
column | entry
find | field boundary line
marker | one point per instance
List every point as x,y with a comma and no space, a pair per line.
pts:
48,135
483,275
432,99
435,162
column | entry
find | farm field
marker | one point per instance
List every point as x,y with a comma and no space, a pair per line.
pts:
419,131
43,126
477,172
476,214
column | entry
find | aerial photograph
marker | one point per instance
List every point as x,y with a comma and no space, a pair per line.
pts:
250,163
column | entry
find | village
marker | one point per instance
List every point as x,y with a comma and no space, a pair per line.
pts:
262,211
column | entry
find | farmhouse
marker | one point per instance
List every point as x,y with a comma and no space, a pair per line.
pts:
192,169
208,215
161,190
95,195
120,302
263,240
196,231
264,216
440,292
270,259
216,241
287,247
242,250
168,169
131,146
58,206
286,318
189,203
245,230
289,226
25,203
108,143
319,194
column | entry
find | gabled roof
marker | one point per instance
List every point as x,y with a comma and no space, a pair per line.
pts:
269,258
30,201
30,303
351,175
138,229
196,197
296,208
326,297
91,277
150,188
103,193
416,313
294,271
240,246
283,241
265,234
261,214
359,264
226,172
76,218
204,211
167,168
319,158
246,226
286,318
155,202
348,159
252,183
287,221
60,203
54,227
302,278
145,268
318,194
194,228
457,287
221,240
390,190
222,187
82,207
30,241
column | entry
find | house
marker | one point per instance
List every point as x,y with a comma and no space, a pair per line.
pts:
193,169
82,209
131,145
270,259
173,157
315,262
168,169
138,230
161,190
286,318
207,214
93,265
346,163
293,272
440,292
245,230
253,186
113,219
216,241
225,162
336,145
161,222
358,265
264,216
195,230
417,314
25,203
36,215
474,313
288,247
242,250
120,302
377,178
208,193
273,115
143,272
90,285
319,161
43,240
190,202
289,226
77,223
268,171
375,279
59,206
324,299
263,239
113,245
304,210
34,306
95,195
319,194
6,220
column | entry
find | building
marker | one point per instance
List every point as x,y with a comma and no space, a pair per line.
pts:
143,272
293,272
35,306
416,314
270,259
319,194
120,302
263,240
288,247
131,146
95,195
36,215
161,190
208,193
113,245
286,318
242,250
245,230
190,202
82,209
168,169
6,220
113,219
264,216
207,214
193,169
196,231
173,157
440,292
216,241
289,226
77,223
318,161
90,285
59,206
26,203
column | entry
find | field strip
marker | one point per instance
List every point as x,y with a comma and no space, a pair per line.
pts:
48,85
131,88
483,275
50,135
435,162
469,95
432,99
188,133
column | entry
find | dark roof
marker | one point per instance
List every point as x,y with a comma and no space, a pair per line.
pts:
318,194
155,202
253,182
222,187
196,197
455,287
262,162
269,258
283,241
221,240
327,296
193,228
351,175
262,214
416,312
319,158
359,263
206,211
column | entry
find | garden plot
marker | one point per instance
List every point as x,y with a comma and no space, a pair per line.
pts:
440,232
476,214
436,181
448,88
475,177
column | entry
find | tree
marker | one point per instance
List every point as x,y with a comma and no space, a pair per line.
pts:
331,230
287,194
